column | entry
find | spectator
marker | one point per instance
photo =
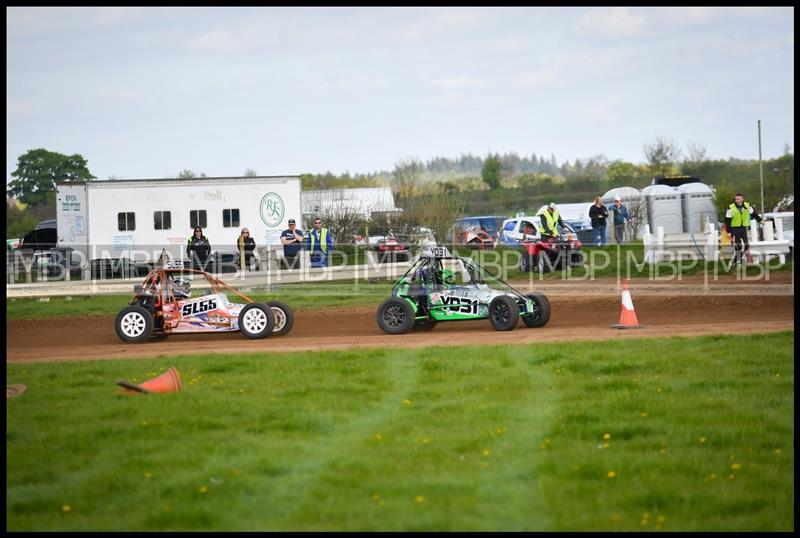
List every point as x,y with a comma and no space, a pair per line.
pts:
320,242
737,222
292,240
198,248
245,245
620,217
598,213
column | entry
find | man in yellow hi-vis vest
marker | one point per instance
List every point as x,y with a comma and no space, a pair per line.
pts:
550,222
737,222
320,244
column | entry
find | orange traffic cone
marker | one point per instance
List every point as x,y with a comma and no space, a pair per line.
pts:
169,381
627,318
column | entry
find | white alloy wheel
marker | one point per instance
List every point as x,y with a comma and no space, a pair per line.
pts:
133,324
254,320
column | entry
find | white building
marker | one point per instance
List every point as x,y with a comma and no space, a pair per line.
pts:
134,218
363,202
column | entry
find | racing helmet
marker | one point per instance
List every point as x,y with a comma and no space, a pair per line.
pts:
448,277
182,287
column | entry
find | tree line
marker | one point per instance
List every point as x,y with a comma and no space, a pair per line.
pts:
468,184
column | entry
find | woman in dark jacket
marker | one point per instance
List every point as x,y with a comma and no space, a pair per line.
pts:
245,245
198,247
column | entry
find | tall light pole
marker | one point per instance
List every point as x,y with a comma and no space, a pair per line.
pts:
760,167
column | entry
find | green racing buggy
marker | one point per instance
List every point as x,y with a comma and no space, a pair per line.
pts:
442,287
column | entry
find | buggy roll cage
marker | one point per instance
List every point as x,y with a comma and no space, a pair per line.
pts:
159,277
472,268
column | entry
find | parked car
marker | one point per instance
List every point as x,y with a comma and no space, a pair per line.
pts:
477,232
518,229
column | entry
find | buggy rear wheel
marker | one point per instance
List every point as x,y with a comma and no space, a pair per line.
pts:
395,316
256,321
503,313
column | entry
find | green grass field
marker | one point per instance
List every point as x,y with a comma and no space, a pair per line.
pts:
669,434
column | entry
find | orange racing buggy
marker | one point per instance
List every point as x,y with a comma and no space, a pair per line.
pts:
164,305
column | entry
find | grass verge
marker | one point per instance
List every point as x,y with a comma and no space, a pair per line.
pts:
670,434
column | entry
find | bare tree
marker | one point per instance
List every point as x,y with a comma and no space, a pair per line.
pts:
434,209
637,216
662,154
406,178
696,155
345,216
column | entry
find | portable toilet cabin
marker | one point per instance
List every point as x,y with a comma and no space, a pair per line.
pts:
697,203
664,208
633,200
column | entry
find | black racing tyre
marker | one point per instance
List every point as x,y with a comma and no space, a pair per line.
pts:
284,318
503,313
256,321
424,325
541,310
395,316
134,324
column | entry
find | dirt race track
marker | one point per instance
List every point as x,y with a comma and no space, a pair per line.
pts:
573,318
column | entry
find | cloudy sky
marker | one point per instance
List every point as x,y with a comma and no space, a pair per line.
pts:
147,92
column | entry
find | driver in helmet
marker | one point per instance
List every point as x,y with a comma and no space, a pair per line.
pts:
181,288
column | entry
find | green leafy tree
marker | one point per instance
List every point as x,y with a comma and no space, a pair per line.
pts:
19,222
492,172
38,170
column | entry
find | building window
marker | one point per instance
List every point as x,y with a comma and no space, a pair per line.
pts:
230,218
162,220
197,217
126,222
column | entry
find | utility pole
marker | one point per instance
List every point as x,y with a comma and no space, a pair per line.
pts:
760,167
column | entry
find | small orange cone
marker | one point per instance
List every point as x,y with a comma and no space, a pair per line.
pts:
627,317
169,381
